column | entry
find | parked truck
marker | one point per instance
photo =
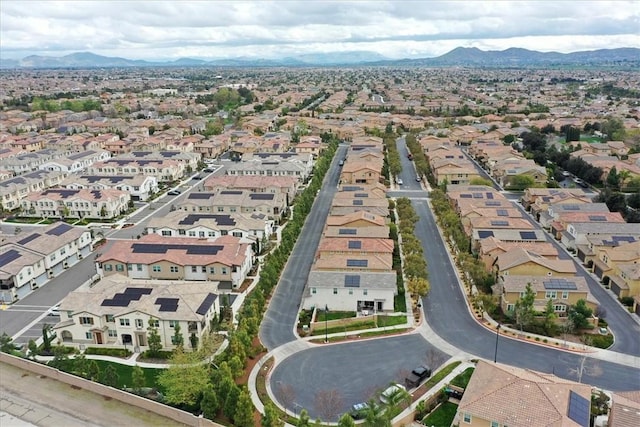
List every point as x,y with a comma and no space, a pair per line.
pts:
417,376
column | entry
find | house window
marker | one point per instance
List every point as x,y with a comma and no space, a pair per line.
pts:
119,267
192,234
139,267
88,335
204,269
335,291
350,291
113,333
154,323
139,323
365,292
194,269
565,295
212,270
313,291
109,318
495,424
224,270
166,232
211,234
560,308
124,322
129,267
466,418
551,295
182,232
86,320
157,268
510,307
173,269
173,323
108,267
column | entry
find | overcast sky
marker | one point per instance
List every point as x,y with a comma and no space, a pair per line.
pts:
273,29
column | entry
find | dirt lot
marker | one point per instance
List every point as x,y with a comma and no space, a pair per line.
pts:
46,402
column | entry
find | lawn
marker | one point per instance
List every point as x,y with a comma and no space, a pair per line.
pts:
463,379
442,416
334,315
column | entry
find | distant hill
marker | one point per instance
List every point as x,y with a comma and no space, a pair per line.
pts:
461,56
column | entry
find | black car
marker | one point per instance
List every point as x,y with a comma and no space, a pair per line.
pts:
418,375
197,177
207,170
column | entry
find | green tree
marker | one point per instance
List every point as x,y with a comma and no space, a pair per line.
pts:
244,410
520,182
550,317
93,370
177,339
6,344
33,349
231,402
523,310
346,421
137,378
209,405
418,286
184,379
154,341
304,420
579,314
613,180
376,416
271,418
46,338
613,128
110,377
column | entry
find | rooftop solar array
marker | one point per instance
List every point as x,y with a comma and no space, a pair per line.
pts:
355,244
231,192
477,195
351,188
223,220
64,193
112,179
206,304
503,212
616,240
59,230
559,284
200,196
570,207
528,235
261,196
124,299
357,202
348,231
357,263
492,203
167,304
466,196
489,196
28,239
500,223
351,281
9,256
485,233
78,155
361,195
597,218
579,409
155,248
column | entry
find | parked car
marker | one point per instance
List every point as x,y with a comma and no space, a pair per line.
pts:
418,179
54,311
566,173
341,162
581,183
207,170
174,193
197,177
400,181
419,374
359,411
390,391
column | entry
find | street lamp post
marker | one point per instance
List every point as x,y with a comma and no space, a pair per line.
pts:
326,335
495,354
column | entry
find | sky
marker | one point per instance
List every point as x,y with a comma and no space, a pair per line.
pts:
166,30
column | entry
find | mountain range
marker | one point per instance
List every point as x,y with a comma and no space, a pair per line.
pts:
513,57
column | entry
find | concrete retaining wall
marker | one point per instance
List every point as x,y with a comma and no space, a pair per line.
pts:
103,390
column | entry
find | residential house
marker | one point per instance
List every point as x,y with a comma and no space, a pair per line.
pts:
502,395
554,211
162,170
360,172
66,203
531,195
224,259
559,225
625,409
76,162
576,233
14,189
118,311
273,205
490,248
29,261
141,187
520,262
619,267
256,184
28,162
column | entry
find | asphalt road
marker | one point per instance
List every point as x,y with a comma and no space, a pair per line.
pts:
279,322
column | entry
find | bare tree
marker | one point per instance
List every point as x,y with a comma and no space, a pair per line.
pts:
589,367
286,394
327,403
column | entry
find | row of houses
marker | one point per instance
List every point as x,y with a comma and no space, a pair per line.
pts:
28,261
516,251
353,265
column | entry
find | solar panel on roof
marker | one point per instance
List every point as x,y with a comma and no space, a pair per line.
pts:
206,304
59,230
559,284
357,202
503,212
492,203
489,196
167,304
355,244
500,223
204,250
570,207
220,219
485,233
357,263
579,409
361,195
28,239
528,235
261,196
231,192
477,195
348,231
597,218
9,256
466,196
351,188
351,281
200,196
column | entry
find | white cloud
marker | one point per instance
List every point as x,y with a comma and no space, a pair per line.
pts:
170,29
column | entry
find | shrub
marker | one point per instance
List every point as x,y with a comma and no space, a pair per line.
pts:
114,352
601,341
628,301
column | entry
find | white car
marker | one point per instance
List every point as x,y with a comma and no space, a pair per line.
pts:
390,391
400,181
